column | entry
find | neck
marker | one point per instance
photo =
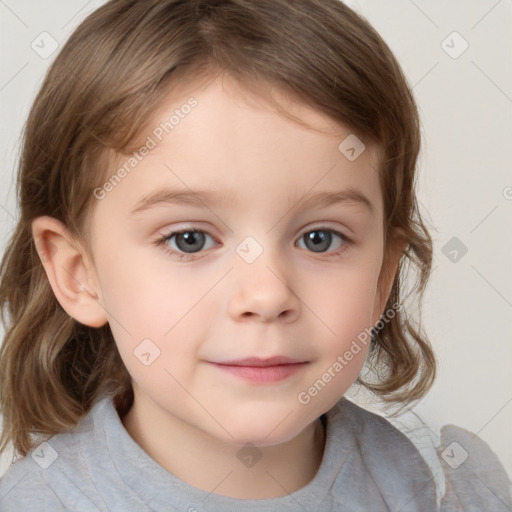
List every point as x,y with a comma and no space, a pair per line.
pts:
214,466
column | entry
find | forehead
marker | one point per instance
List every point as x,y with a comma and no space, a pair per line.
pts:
254,145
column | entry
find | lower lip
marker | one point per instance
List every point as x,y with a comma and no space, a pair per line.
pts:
263,373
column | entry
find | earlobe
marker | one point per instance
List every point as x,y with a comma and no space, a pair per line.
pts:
69,271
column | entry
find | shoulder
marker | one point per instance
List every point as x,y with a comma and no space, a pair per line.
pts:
24,487
475,477
383,458
373,432
54,475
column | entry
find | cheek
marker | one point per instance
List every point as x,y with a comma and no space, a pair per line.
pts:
152,313
344,300
142,296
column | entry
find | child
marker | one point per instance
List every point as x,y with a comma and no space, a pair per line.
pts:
139,372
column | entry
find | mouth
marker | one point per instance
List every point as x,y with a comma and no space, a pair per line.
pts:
267,370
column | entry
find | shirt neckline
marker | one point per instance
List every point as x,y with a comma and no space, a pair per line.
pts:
141,473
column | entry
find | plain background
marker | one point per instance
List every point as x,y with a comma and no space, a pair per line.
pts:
465,179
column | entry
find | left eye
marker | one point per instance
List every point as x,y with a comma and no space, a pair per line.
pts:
319,240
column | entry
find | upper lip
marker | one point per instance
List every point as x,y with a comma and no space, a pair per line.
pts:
257,361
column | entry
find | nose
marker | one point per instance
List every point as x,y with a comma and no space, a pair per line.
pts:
262,290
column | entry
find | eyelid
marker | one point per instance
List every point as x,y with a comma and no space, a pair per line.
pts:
186,226
347,242
316,226
326,227
169,233
162,239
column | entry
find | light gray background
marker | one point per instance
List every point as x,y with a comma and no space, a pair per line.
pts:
465,183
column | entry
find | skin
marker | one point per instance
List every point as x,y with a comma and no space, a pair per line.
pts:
292,300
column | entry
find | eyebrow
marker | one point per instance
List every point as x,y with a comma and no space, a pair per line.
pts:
207,198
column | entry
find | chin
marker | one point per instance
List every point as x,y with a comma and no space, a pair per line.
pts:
261,439
265,431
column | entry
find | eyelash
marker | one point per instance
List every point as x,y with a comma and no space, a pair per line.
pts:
162,242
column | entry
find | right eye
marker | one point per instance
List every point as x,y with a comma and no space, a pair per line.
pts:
186,242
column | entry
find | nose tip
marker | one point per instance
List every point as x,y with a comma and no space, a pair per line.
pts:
260,291
283,314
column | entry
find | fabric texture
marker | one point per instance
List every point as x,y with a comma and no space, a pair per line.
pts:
368,465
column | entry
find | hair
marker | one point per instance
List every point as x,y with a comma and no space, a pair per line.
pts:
108,79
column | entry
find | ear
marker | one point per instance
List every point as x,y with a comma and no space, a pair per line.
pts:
70,273
389,268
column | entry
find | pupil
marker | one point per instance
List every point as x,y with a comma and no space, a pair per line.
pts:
320,240
193,241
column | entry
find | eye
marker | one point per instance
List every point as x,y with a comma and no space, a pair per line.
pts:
187,241
319,240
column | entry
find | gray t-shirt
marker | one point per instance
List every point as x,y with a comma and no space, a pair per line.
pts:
368,465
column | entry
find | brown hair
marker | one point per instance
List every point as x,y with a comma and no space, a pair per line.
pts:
102,88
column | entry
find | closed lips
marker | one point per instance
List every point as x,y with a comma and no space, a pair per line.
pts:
257,362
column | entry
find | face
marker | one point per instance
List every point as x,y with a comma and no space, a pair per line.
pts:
265,264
